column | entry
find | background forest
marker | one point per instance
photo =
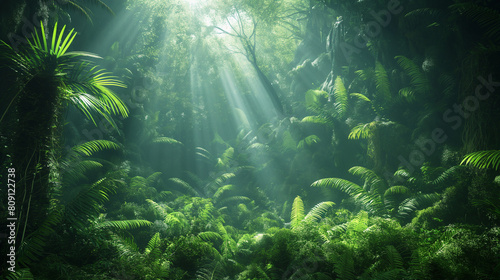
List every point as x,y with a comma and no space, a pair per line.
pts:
270,139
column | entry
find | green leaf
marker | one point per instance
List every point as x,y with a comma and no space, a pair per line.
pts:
341,98
297,212
483,159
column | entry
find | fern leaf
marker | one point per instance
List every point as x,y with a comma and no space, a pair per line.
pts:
166,140
361,131
226,157
315,120
184,185
153,178
376,183
220,191
361,96
382,83
487,18
418,80
343,185
91,147
396,190
317,212
341,98
315,98
210,236
309,141
125,224
33,246
297,212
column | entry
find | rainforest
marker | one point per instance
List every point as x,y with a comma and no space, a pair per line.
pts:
250,139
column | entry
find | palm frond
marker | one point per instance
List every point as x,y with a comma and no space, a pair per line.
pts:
483,159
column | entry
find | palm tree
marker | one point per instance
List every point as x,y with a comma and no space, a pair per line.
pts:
46,78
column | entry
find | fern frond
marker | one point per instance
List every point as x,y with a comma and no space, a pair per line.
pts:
309,140
210,236
341,98
125,224
91,147
88,202
402,173
361,131
153,248
166,140
297,212
317,212
125,246
396,190
220,191
74,171
382,83
348,187
483,159
315,120
344,265
33,246
418,79
315,98
184,185
222,179
371,178
487,18
20,274
153,178
361,96
408,94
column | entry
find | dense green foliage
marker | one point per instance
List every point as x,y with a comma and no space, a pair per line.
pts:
290,139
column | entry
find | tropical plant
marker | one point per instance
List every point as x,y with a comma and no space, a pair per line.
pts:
47,76
483,159
315,214
376,196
